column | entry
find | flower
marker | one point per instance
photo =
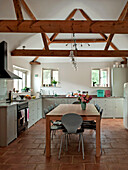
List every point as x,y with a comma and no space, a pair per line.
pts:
84,98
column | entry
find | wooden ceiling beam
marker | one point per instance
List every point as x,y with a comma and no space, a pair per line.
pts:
123,13
59,26
18,11
34,63
55,34
29,12
68,18
65,53
44,35
102,34
110,37
85,15
112,45
36,58
121,18
45,41
79,41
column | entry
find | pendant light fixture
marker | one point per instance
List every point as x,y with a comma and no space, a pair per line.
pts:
72,55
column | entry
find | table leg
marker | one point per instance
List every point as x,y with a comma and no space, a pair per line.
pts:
98,149
48,137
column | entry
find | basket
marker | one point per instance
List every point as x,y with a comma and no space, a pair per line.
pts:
100,93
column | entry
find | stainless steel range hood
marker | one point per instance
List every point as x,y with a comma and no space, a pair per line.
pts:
4,72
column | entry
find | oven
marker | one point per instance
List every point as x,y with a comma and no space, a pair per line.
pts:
22,117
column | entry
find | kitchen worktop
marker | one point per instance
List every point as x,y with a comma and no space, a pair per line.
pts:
5,104
64,96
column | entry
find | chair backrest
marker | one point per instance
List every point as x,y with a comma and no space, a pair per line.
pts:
101,111
76,102
71,122
45,111
97,107
55,104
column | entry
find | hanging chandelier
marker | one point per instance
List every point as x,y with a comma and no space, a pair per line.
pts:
72,55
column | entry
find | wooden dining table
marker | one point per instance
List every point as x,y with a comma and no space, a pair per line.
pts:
90,113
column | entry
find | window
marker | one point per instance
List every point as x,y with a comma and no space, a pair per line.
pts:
21,83
100,77
49,75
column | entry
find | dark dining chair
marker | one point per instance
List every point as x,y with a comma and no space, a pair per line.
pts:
76,102
97,107
72,123
53,130
91,125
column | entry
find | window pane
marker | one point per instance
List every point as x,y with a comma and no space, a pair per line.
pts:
95,76
16,81
20,81
55,75
23,79
46,76
104,77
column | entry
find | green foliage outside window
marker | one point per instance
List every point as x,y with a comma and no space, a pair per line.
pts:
95,76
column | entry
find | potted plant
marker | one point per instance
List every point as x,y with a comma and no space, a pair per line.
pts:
54,82
26,89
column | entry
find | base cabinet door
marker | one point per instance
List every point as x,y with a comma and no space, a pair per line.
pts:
11,123
39,109
112,107
119,108
31,113
8,124
109,111
35,111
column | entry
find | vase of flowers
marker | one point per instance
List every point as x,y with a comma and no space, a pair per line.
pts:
83,105
84,99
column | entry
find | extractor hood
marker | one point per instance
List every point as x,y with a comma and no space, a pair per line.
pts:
4,72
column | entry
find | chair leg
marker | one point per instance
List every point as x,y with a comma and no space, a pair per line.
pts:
79,143
68,138
60,146
44,150
66,142
101,147
82,144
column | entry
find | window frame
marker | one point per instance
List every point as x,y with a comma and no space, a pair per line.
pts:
51,75
108,76
23,71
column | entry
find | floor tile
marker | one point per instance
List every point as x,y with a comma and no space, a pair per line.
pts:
27,151
72,167
96,167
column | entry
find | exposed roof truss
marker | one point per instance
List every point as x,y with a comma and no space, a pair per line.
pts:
57,27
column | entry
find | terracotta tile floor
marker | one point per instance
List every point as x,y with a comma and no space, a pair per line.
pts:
27,151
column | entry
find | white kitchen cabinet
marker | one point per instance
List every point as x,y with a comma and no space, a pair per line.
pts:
71,100
35,111
47,101
109,111
39,109
119,108
8,124
11,123
119,77
31,113
112,107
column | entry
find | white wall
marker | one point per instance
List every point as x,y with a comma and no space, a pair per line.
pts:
70,80
36,81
